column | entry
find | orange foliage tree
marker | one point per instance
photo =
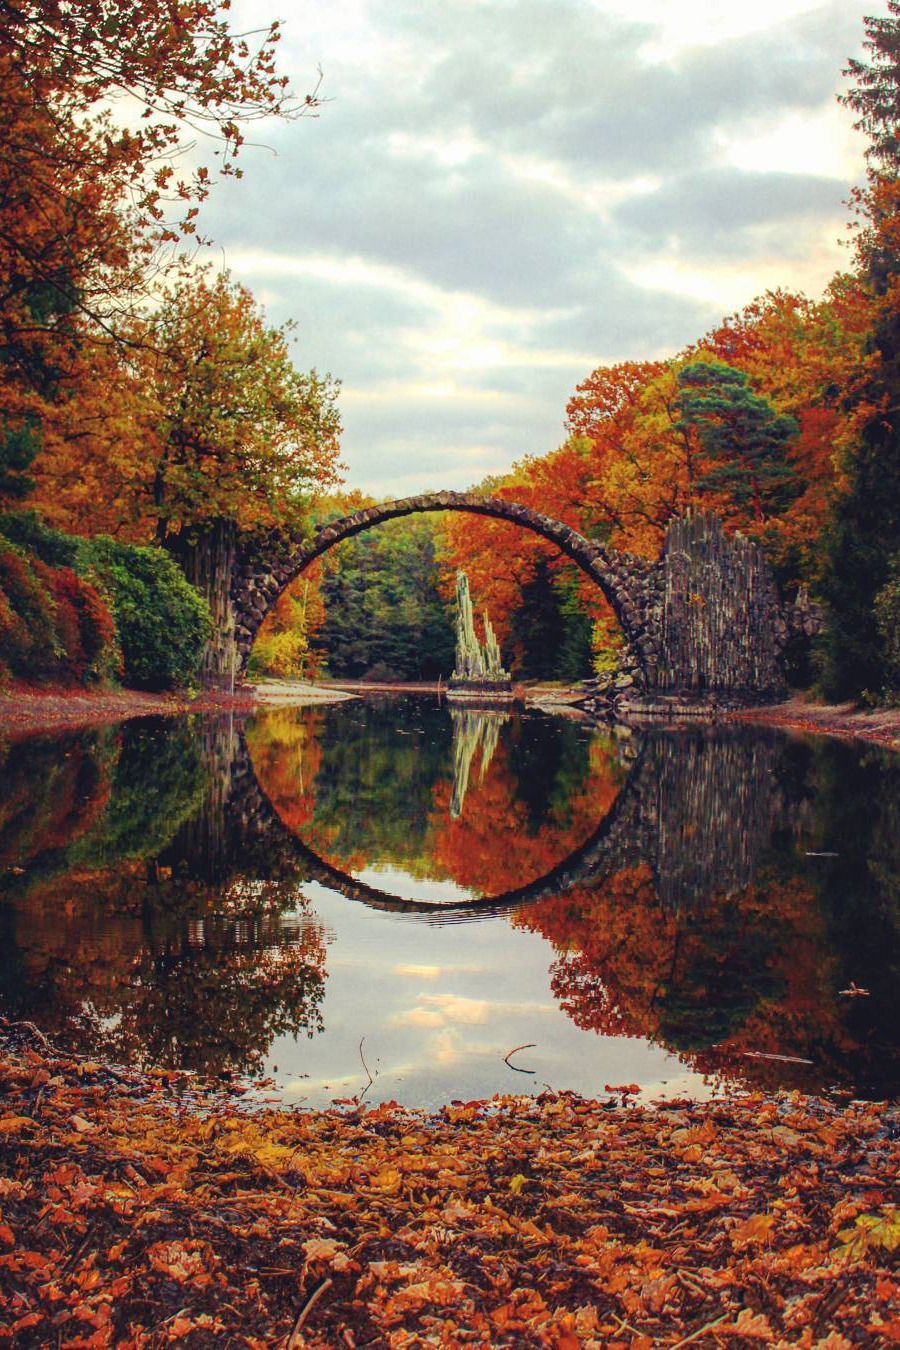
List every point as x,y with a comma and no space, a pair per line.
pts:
633,459
646,464
212,432
64,246
98,99
208,421
243,433
170,70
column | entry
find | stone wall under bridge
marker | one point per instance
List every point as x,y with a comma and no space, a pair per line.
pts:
720,624
703,624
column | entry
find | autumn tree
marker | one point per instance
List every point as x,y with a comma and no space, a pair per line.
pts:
101,102
284,647
631,463
243,437
642,457
633,459
169,72
65,246
97,442
807,357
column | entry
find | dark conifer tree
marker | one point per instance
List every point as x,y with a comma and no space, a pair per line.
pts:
863,536
742,436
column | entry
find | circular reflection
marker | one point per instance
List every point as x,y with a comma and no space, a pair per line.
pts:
410,806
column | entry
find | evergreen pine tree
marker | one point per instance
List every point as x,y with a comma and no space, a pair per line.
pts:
742,435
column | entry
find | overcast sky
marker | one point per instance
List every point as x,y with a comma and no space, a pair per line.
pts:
501,195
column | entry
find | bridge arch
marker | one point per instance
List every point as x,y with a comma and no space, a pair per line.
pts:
625,580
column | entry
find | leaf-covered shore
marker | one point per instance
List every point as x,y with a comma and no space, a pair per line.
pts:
144,1210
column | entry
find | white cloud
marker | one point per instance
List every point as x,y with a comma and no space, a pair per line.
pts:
502,194
726,287
417,1017
682,24
820,141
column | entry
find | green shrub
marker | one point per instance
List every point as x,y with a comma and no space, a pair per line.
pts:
162,622
26,529
56,594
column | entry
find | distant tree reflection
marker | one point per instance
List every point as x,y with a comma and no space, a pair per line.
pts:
747,982
124,928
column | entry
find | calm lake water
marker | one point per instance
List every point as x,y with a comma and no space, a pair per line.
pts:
387,896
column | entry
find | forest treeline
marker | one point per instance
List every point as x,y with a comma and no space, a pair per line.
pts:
149,413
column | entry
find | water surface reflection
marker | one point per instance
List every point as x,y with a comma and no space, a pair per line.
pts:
651,907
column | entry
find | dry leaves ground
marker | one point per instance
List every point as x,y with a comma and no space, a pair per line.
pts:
846,720
143,1210
25,709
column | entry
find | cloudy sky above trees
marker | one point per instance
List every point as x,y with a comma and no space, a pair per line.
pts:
501,195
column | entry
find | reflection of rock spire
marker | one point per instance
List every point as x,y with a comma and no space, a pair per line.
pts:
472,731
474,661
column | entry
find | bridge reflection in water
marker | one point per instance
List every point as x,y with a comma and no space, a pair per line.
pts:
677,811
159,883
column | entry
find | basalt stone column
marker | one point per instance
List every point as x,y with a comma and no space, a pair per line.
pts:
722,622
206,555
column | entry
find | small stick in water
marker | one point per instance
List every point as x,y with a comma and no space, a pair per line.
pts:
365,1066
529,1045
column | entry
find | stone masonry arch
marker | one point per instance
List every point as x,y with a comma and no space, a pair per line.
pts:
703,624
628,582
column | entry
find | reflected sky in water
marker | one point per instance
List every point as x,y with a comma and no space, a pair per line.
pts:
439,1008
669,908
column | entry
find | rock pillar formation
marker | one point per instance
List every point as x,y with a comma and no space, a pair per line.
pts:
479,670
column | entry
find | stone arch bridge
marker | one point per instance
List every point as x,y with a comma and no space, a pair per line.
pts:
703,620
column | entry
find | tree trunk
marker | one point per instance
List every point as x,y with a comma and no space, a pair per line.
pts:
206,556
